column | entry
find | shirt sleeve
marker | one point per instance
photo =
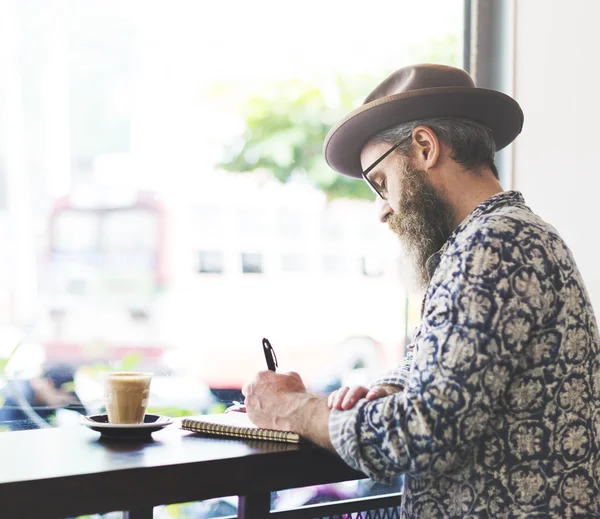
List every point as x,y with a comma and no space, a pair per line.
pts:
398,376
459,376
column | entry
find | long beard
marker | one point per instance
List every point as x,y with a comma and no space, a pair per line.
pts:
423,221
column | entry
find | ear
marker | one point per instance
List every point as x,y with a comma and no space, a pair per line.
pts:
426,147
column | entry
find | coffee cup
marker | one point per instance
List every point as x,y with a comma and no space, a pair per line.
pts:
126,396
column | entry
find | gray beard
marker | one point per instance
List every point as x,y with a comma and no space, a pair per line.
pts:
423,222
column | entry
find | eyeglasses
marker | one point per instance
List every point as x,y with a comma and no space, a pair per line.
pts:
373,187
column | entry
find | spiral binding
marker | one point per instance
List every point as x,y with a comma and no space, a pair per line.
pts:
197,425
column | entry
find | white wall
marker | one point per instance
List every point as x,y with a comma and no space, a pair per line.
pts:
557,157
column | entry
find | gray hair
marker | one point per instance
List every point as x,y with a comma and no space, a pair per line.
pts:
472,143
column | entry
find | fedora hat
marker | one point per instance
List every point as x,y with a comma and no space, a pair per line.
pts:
419,92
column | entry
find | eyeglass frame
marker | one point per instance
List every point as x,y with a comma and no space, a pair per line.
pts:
372,166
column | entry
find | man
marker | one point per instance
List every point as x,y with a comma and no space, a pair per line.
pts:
498,414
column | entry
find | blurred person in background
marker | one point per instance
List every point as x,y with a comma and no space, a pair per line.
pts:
497,412
29,402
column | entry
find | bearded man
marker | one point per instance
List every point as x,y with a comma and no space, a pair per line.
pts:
497,413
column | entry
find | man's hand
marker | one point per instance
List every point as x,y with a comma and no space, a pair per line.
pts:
346,397
270,401
279,401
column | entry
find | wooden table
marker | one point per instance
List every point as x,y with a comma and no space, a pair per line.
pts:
64,472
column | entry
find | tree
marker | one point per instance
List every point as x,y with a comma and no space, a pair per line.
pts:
287,121
286,124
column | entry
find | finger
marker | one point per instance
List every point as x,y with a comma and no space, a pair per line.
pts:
341,393
294,375
330,399
376,392
246,389
353,396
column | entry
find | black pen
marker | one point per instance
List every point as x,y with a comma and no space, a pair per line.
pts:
269,355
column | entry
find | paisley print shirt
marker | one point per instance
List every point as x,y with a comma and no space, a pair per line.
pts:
500,415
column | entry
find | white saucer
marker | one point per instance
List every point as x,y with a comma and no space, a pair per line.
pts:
100,423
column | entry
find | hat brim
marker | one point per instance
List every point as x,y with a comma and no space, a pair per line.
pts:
345,141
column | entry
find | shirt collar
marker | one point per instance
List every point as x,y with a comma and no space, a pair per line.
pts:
491,204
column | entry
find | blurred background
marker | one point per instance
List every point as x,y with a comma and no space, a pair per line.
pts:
164,204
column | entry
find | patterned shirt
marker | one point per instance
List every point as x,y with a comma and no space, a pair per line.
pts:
500,415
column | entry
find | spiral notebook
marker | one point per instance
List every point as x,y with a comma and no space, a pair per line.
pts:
235,425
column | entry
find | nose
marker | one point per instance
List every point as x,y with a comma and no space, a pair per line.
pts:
384,209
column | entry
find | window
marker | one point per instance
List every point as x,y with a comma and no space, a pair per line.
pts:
129,231
252,263
129,240
210,262
102,109
243,227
